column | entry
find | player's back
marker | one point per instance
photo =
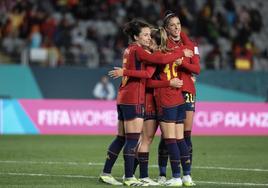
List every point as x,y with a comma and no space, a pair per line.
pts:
168,96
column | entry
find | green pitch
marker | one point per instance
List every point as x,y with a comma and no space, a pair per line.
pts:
76,161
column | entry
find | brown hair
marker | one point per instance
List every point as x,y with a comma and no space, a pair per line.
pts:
168,15
133,28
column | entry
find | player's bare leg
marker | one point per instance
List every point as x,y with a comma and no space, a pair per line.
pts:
147,135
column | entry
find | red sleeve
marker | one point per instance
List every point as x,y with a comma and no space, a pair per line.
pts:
192,66
148,73
157,83
158,57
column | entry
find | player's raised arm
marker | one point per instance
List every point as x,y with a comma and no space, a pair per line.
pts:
148,73
193,65
162,58
119,72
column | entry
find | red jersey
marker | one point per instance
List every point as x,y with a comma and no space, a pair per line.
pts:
132,89
168,96
189,66
151,86
150,106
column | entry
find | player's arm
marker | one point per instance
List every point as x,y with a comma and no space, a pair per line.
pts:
174,82
148,73
119,72
192,66
151,83
161,58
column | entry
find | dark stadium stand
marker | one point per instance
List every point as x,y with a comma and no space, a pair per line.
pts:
89,33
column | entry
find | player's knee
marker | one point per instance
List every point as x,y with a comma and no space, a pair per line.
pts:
146,141
150,139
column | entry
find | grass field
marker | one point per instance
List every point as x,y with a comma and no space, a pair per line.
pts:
76,161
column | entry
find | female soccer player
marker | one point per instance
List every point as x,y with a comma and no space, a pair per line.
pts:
170,111
188,66
150,125
130,100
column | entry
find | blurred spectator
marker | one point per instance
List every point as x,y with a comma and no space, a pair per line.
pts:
89,33
213,59
243,57
35,37
54,57
104,89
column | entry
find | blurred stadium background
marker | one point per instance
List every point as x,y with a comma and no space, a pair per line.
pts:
53,52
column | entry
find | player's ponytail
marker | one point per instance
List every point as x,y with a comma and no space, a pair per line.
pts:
160,37
164,38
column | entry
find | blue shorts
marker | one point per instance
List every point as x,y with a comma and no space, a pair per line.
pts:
174,114
150,116
189,100
129,112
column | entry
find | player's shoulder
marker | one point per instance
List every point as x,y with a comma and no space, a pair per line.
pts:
132,48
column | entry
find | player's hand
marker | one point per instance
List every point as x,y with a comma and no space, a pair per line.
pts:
116,73
188,53
179,61
176,82
193,78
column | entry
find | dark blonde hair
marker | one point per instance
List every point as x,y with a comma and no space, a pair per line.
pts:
160,37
